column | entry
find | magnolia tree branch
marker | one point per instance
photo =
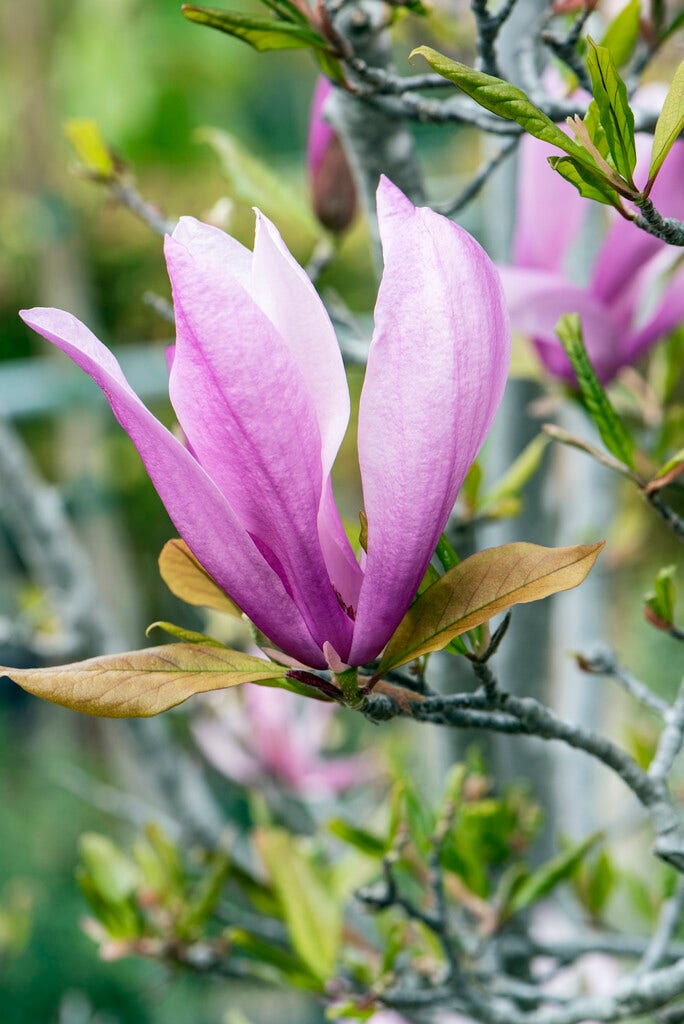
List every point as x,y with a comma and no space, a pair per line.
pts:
34,515
392,97
495,710
126,193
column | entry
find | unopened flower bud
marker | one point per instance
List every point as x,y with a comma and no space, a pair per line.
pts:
333,191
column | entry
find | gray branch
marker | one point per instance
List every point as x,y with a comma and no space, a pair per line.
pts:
34,515
498,711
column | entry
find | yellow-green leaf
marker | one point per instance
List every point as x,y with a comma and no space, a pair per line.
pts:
188,580
551,874
260,32
615,113
613,432
503,99
91,149
310,907
143,683
190,636
519,473
623,32
670,123
589,184
482,586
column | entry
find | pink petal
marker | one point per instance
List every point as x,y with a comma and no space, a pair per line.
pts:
199,511
243,404
536,302
209,244
549,210
227,752
282,289
668,316
436,373
627,249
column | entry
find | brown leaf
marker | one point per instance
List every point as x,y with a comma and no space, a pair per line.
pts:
481,586
665,480
143,683
188,580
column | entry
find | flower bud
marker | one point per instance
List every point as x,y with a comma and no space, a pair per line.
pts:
333,191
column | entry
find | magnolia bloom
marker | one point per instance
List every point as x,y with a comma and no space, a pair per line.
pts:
263,733
259,390
630,302
333,191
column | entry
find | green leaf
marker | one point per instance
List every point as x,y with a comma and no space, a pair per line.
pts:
288,965
623,32
363,530
446,554
616,117
472,485
550,875
503,99
310,909
594,398
260,32
160,861
190,636
595,884
672,463
91,149
661,600
188,580
110,871
589,184
287,10
592,120
143,683
360,839
329,65
674,26
519,472
206,895
670,123
480,587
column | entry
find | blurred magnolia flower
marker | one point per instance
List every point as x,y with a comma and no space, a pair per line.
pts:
594,974
333,190
263,733
260,393
635,294
390,1017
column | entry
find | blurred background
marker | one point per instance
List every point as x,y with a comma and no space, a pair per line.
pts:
152,82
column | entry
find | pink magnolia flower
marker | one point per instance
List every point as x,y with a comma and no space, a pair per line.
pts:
263,733
622,310
332,186
259,390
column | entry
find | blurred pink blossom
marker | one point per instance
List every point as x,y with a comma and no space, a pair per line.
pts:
263,733
635,293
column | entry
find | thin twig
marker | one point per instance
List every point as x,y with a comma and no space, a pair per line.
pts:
671,739
127,194
480,179
603,662
668,922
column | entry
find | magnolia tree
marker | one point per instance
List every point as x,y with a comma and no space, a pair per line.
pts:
344,878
